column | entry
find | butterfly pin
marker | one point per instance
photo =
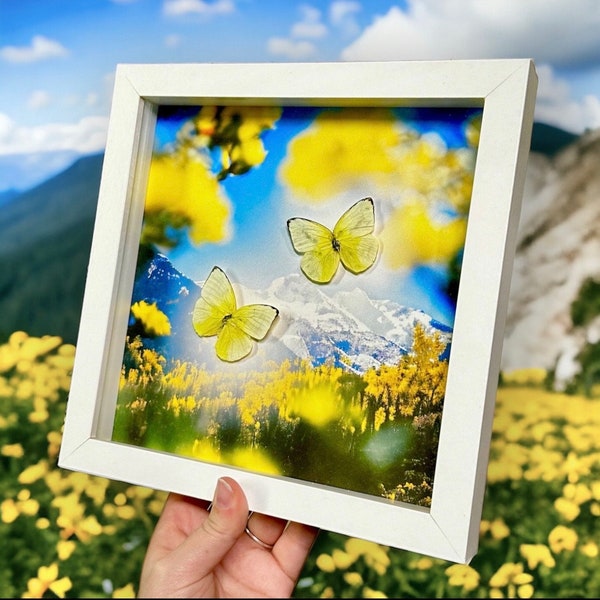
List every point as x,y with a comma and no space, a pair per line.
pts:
216,313
351,242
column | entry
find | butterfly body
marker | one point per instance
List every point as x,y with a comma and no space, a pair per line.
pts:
216,313
351,242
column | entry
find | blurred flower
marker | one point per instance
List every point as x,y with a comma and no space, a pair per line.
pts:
13,450
511,575
64,548
590,549
341,559
413,236
497,528
325,563
127,591
183,194
153,320
537,554
339,150
9,510
375,556
562,538
34,472
47,579
463,576
353,578
371,593
567,508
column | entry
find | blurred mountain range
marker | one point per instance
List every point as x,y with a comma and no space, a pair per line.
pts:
46,232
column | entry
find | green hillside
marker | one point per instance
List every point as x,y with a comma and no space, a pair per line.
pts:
45,241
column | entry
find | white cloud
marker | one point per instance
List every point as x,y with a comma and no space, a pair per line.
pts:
297,46
176,8
556,106
293,49
86,136
41,48
341,15
310,25
549,31
38,99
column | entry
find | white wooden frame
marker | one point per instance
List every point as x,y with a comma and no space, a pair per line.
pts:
506,91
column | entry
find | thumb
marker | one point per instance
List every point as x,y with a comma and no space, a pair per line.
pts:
225,523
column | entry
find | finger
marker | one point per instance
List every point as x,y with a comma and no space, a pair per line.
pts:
293,547
209,543
180,516
264,530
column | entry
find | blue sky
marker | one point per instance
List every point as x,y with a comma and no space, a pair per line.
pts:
57,59
261,202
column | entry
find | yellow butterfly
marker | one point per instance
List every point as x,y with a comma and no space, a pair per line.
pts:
216,313
352,242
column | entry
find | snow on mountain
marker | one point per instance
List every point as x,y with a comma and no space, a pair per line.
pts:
348,328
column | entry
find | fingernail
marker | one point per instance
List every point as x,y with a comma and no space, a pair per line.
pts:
223,494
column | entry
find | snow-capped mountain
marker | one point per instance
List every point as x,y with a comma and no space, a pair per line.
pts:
347,328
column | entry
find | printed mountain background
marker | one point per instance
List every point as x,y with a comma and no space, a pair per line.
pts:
46,232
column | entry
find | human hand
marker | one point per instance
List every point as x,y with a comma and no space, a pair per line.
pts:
194,553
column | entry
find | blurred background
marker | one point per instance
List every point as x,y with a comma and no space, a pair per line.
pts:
74,535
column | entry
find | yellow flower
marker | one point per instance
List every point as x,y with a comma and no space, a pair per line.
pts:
499,529
155,321
9,510
47,579
353,578
183,193
567,508
590,549
342,559
414,236
64,549
537,554
13,450
125,592
339,150
463,576
510,574
562,538
371,593
577,492
325,563
33,472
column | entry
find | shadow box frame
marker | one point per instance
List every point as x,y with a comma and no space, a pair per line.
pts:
505,90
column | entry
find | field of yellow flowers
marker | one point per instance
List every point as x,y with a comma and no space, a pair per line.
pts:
68,534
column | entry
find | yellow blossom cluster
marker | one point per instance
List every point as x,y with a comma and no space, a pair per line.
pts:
46,512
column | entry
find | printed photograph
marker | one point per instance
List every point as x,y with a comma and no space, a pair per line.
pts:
295,291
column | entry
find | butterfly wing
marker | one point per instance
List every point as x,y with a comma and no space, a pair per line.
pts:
358,247
216,302
249,322
315,242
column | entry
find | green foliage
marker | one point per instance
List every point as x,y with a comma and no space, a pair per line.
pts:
587,304
540,533
377,434
94,530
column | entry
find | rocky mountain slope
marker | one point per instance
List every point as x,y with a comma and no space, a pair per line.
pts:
558,250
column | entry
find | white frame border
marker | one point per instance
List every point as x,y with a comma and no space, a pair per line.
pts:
506,89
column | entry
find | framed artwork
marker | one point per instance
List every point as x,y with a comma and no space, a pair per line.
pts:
298,278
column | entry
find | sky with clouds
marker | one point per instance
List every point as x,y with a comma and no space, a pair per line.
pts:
57,59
